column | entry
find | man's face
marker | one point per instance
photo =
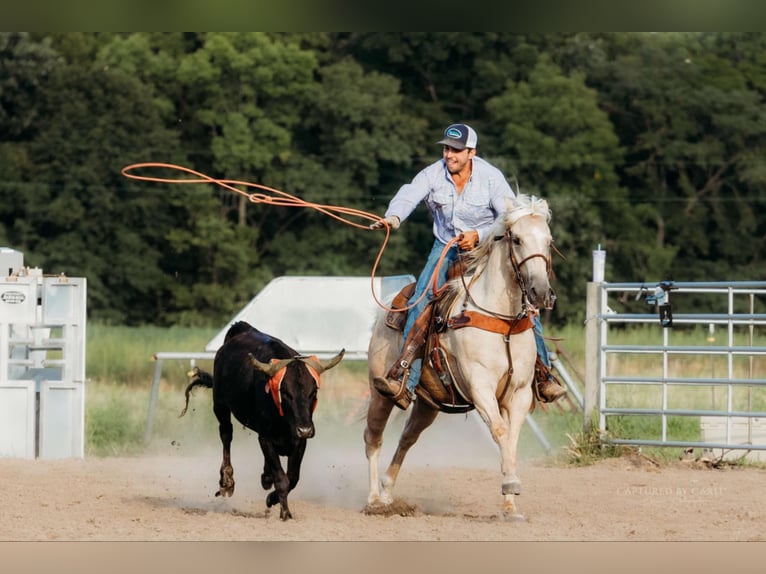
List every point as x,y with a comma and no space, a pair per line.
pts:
457,159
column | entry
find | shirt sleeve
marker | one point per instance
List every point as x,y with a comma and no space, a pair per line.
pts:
499,191
409,196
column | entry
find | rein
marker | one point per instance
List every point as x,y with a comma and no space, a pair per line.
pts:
526,307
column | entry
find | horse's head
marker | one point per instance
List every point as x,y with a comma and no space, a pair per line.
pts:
529,237
520,244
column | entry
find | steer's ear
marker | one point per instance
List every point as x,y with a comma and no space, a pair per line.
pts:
270,369
330,363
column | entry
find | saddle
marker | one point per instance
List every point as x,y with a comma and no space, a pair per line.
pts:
442,384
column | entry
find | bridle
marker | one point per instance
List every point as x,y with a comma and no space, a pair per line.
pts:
516,265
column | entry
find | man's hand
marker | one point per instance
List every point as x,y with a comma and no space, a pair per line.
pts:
468,240
391,221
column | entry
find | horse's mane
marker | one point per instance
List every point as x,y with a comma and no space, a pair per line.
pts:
474,261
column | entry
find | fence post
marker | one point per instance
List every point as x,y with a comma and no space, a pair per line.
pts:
153,400
593,305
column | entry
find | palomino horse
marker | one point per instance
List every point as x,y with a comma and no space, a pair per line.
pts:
507,277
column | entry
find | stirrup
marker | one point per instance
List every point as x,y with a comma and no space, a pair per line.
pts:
401,396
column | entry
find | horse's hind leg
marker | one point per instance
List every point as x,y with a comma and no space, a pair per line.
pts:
420,418
378,412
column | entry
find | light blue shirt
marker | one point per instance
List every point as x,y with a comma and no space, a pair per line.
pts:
480,203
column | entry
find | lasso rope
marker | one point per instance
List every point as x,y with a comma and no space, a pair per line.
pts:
280,198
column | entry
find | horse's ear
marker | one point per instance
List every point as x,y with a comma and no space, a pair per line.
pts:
509,203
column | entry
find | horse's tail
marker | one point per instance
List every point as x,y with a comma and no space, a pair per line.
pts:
198,378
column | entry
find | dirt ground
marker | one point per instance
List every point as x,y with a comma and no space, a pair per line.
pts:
169,496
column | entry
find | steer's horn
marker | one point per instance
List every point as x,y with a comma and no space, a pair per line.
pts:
270,369
330,363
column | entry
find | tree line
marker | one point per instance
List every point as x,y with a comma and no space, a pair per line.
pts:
650,145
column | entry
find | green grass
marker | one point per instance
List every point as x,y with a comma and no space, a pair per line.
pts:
120,370
124,355
113,422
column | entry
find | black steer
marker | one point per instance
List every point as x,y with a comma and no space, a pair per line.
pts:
270,389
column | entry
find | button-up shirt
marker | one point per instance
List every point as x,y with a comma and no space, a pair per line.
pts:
477,207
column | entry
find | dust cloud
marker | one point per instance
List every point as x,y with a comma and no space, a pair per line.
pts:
334,471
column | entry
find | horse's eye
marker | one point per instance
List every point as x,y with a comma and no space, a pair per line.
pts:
516,239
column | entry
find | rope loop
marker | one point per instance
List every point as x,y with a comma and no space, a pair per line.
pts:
276,197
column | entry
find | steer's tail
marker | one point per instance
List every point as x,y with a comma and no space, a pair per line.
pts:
198,378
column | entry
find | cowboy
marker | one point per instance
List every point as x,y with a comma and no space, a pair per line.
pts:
465,195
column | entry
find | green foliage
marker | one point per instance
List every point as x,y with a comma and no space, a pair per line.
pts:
565,150
648,144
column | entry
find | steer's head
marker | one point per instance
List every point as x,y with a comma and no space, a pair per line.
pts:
293,385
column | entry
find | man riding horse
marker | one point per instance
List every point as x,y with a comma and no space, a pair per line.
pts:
465,195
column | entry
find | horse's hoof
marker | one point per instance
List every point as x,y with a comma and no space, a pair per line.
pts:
512,487
513,517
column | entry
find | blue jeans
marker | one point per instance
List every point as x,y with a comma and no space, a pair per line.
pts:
424,283
542,350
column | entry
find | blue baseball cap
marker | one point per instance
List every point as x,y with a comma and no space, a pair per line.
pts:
459,136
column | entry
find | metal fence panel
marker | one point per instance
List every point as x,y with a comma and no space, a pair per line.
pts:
718,385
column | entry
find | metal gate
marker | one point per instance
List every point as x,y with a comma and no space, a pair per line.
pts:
42,361
660,374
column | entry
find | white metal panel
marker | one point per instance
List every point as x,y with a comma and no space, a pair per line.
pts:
62,300
17,419
18,301
318,315
10,261
61,420
42,365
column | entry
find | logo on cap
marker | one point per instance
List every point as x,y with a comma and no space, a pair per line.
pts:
459,136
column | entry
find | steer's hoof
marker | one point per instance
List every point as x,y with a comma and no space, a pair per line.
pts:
225,491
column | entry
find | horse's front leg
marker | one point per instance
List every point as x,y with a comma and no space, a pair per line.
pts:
514,413
504,422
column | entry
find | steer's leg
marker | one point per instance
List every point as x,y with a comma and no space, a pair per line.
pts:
294,465
226,432
273,467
